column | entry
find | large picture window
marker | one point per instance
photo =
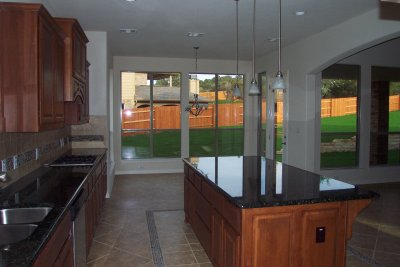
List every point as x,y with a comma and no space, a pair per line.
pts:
385,116
217,130
339,116
150,115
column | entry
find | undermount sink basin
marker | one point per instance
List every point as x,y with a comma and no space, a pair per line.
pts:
12,233
23,215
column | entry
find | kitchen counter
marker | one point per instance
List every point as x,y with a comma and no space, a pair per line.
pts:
255,212
251,182
55,187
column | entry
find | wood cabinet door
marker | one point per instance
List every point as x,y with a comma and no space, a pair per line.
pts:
58,80
231,246
46,62
216,239
66,256
323,237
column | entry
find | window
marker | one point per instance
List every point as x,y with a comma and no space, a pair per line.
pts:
150,115
385,116
339,116
218,130
262,81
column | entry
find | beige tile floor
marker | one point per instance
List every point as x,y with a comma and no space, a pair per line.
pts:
123,238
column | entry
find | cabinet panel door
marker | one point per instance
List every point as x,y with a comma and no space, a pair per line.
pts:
216,239
231,247
327,248
47,74
66,256
272,240
59,80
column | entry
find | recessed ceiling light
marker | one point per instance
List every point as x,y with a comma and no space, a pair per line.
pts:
299,13
130,0
195,34
128,30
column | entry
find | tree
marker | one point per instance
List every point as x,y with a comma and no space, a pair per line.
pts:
394,88
336,88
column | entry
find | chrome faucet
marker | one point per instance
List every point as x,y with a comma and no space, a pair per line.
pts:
4,178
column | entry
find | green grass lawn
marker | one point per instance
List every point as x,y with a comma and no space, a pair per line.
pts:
348,123
230,142
344,127
168,143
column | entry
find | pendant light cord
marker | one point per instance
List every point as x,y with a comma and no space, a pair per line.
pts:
237,42
254,39
279,37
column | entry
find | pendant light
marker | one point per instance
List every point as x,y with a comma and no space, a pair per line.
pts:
236,89
254,90
196,108
279,82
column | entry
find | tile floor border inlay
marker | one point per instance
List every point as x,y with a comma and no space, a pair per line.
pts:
158,259
363,257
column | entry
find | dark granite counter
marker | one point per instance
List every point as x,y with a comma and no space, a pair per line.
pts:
46,186
252,182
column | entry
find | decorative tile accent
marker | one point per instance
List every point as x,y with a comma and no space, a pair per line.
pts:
13,162
30,155
7,164
16,162
81,138
155,244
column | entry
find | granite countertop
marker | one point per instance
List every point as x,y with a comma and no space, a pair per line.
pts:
252,182
50,187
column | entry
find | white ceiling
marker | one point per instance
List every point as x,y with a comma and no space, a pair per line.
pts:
163,24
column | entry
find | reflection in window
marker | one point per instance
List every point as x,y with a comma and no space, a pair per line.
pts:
218,130
339,116
150,116
385,116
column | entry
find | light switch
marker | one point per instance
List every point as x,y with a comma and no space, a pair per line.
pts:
320,235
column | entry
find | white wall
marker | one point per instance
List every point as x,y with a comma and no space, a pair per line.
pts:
98,78
304,60
183,66
99,107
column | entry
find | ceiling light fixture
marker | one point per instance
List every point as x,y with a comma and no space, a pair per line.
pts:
128,30
196,108
130,0
299,13
236,88
272,39
254,90
279,82
195,34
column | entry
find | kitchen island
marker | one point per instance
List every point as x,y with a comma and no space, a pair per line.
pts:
254,212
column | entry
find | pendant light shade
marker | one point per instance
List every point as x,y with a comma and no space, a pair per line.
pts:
279,82
254,90
236,89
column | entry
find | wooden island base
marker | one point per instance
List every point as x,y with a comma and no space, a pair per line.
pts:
309,235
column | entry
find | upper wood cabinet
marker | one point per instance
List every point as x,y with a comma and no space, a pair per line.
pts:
31,69
76,72
75,58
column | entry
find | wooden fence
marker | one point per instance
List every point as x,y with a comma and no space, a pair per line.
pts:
168,117
344,106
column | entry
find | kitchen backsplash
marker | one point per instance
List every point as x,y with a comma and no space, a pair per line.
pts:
21,153
90,135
